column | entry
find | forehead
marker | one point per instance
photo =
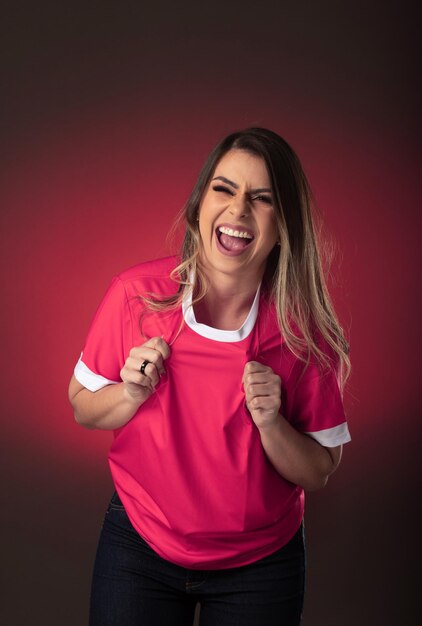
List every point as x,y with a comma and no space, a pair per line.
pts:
243,167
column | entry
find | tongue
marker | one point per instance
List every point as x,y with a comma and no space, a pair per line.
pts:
233,243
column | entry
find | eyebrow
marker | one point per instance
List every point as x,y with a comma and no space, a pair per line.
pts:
226,180
236,186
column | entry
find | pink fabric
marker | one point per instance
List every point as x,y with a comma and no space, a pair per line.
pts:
189,467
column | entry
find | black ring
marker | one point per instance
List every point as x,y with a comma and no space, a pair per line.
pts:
143,366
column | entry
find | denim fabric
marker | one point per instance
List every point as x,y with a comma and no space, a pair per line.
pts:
134,586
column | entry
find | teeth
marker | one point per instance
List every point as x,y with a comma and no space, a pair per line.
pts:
234,233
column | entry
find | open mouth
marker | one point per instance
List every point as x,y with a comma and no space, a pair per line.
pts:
233,240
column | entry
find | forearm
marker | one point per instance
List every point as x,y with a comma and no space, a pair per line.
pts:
108,408
114,405
296,456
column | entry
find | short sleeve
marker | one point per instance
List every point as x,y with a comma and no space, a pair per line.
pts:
314,404
108,340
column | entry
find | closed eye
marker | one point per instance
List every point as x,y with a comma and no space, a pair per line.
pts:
223,189
260,198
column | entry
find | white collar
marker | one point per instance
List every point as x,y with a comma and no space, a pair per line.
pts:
215,333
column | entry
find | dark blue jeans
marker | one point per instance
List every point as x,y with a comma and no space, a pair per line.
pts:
134,586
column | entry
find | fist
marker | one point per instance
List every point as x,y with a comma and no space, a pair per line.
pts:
263,393
141,385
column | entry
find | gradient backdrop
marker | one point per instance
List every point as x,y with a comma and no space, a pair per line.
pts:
109,110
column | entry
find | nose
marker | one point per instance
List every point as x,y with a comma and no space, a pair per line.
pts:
239,206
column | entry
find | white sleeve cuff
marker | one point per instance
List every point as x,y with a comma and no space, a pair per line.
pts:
89,379
332,437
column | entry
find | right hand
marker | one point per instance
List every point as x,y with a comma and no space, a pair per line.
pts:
140,386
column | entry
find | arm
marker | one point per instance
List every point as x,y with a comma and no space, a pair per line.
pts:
114,405
296,456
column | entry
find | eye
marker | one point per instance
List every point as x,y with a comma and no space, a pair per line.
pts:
264,199
223,189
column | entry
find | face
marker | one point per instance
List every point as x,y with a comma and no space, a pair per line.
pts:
236,216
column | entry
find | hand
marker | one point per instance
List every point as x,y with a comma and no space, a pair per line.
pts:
140,386
263,393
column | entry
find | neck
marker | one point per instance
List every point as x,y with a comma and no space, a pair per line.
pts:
227,302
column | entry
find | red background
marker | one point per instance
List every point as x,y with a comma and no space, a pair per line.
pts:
109,111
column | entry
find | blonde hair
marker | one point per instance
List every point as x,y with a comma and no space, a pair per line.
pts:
294,278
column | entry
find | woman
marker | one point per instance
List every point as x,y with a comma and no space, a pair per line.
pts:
220,373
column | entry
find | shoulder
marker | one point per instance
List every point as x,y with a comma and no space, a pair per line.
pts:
152,276
157,268
298,358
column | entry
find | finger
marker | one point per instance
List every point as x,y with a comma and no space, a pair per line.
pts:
260,377
253,367
131,377
263,403
149,371
263,389
158,343
131,372
142,353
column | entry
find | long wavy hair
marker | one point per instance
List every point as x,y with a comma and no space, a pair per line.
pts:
294,278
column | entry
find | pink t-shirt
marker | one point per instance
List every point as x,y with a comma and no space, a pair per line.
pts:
189,467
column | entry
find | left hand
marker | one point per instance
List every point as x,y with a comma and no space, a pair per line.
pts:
263,393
